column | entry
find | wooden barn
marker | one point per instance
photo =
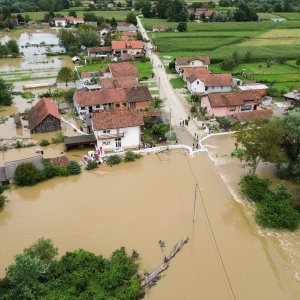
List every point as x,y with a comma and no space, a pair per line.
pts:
44,117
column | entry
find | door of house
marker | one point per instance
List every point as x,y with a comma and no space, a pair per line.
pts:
255,107
118,143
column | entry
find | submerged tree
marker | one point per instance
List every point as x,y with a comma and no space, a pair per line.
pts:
65,74
5,92
261,141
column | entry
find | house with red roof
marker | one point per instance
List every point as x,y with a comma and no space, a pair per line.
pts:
209,83
185,72
191,61
124,47
44,117
112,99
117,128
226,104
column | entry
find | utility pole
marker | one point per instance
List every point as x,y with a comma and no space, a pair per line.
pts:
170,121
194,215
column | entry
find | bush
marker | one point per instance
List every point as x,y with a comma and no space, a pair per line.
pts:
2,202
44,143
224,123
113,160
172,65
18,144
193,109
3,188
91,165
63,171
73,167
254,188
228,64
49,170
26,174
129,156
277,214
58,138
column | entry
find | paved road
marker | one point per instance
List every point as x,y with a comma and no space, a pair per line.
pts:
172,102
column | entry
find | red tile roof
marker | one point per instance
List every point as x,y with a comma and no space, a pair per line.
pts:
99,49
103,96
112,95
233,99
185,60
252,115
123,69
40,111
213,79
194,71
119,82
117,119
118,45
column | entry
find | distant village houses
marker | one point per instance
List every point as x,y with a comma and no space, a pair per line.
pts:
196,61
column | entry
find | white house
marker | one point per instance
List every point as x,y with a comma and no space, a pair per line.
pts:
60,22
117,128
187,61
74,21
127,47
209,83
159,28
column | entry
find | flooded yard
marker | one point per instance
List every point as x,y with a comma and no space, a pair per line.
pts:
137,204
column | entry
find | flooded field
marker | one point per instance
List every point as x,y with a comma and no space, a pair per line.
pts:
34,63
137,204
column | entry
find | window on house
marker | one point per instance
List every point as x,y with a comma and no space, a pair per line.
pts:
123,104
132,104
118,105
106,131
246,107
105,143
198,82
97,106
206,88
231,108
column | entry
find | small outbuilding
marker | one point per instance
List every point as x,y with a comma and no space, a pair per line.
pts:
44,117
17,120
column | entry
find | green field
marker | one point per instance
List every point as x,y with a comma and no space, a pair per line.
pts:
144,68
119,15
284,76
266,40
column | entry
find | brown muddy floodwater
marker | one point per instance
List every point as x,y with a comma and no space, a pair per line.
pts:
137,204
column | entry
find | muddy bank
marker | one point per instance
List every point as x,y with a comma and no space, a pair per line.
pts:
136,205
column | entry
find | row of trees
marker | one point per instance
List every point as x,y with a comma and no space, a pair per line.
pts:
6,95
37,274
266,6
11,48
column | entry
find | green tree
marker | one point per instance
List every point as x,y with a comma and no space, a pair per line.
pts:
228,64
248,56
5,92
88,37
192,17
224,123
26,174
65,74
131,18
72,13
73,167
182,27
261,141
113,22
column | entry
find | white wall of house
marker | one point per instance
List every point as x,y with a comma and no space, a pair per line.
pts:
129,51
199,87
131,138
60,23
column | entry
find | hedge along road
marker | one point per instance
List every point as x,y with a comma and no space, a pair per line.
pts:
166,92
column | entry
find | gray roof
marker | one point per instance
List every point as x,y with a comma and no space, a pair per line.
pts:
10,167
129,27
2,174
295,95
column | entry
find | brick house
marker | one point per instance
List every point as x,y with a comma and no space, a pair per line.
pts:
191,61
225,104
119,128
118,82
209,83
112,99
44,117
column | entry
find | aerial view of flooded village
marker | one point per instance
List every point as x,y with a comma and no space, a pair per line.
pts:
149,149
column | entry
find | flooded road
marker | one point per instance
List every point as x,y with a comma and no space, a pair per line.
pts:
137,204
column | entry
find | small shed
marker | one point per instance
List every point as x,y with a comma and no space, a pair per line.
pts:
44,117
80,141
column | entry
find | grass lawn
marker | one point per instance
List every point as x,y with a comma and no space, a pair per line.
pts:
284,76
119,15
144,68
177,83
93,67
